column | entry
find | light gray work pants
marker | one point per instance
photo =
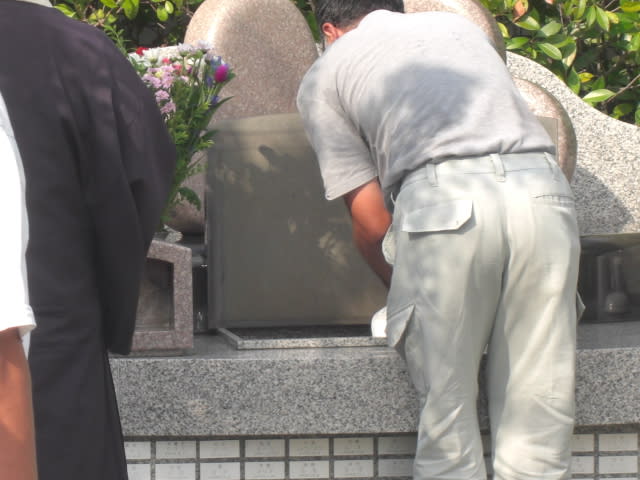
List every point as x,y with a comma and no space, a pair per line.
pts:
486,253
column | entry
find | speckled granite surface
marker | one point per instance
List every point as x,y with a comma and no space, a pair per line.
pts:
607,176
220,391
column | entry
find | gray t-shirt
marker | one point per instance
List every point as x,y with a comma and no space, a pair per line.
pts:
402,90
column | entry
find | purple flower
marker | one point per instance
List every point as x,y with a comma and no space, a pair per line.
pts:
152,80
162,95
222,72
215,99
168,107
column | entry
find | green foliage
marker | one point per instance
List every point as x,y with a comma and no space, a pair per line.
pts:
306,8
134,23
149,23
592,45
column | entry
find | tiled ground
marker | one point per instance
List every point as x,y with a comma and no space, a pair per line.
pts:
596,456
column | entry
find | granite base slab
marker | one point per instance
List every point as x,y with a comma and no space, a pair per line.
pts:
221,391
302,337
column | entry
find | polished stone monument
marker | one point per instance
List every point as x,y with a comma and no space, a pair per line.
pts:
279,253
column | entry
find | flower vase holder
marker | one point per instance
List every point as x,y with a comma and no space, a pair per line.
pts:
164,322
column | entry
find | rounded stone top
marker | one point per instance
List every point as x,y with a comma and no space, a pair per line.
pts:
545,105
471,9
267,43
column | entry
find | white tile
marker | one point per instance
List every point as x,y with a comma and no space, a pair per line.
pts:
405,445
618,464
220,449
220,471
137,450
309,447
175,471
139,471
308,469
582,464
176,450
352,468
617,442
583,443
395,467
264,448
353,446
264,470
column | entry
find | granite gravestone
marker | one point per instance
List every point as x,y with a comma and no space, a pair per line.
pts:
269,46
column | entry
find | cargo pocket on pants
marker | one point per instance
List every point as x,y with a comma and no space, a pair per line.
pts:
396,326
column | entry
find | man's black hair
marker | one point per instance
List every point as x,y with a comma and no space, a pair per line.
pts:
343,13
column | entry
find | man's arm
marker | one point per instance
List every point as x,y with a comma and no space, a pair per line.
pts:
17,444
370,221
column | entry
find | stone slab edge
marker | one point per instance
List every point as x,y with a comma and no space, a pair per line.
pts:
223,392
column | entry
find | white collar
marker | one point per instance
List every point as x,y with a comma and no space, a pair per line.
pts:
44,3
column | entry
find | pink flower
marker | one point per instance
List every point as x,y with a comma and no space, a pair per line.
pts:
221,74
168,107
162,95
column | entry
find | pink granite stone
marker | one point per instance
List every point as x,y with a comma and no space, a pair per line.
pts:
470,9
546,106
164,322
270,47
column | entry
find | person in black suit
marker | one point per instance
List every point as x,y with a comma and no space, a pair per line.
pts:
98,164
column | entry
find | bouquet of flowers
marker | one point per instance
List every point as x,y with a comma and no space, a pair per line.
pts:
186,81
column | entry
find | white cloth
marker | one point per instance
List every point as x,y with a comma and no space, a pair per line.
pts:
379,323
14,296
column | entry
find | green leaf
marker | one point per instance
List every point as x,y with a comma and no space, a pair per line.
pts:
637,115
550,51
622,109
582,6
503,30
162,14
529,23
602,19
109,3
591,16
168,6
560,40
573,81
599,83
130,8
551,28
516,42
597,96
569,53
66,10
630,6
634,44
613,17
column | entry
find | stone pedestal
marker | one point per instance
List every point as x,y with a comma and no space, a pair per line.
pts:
164,321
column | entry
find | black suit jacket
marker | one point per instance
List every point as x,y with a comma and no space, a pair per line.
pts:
98,163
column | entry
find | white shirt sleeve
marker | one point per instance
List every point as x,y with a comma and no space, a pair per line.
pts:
14,296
